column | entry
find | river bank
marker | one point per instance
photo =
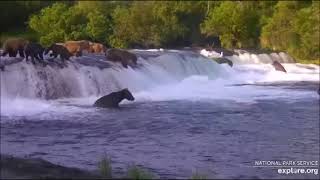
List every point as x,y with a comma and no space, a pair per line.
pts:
36,168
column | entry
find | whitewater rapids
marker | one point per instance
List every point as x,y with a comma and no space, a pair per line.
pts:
160,76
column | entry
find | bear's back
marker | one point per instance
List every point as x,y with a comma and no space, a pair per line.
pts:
110,100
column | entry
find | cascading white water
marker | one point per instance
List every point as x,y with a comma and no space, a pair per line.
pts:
77,80
245,57
161,75
255,68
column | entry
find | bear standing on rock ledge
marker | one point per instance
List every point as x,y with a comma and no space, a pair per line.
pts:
35,51
14,45
59,50
97,48
77,47
124,57
112,100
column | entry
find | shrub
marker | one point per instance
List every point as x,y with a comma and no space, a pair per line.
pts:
134,172
197,175
105,167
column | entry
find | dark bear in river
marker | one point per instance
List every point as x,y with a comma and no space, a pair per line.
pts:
278,66
112,100
14,45
124,57
35,51
59,50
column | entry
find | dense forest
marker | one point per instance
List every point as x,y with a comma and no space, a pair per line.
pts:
291,26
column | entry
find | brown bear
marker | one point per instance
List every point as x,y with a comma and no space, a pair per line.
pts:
59,50
112,100
97,48
124,57
14,45
77,47
278,66
34,50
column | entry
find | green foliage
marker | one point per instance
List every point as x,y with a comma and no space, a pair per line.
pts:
98,27
291,26
121,36
266,9
236,23
278,34
134,172
105,167
149,24
60,22
294,27
104,7
307,27
50,23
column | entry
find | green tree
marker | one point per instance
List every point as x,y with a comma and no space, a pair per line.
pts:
307,27
50,24
190,14
294,28
149,24
74,23
61,22
121,36
278,34
236,24
98,27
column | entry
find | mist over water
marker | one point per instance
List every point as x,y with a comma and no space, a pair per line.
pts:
187,107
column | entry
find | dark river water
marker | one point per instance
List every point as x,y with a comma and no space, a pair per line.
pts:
173,139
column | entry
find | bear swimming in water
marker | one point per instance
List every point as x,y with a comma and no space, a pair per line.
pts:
112,100
35,51
59,50
278,66
124,57
14,45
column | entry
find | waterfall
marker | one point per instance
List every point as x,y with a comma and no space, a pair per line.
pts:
246,57
91,75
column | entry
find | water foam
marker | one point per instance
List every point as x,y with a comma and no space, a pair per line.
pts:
161,76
